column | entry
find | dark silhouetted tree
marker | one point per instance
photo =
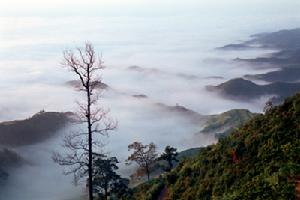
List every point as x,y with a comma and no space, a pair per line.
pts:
143,155
86,65
105,179
169,155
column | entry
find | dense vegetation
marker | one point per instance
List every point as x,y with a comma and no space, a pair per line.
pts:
148,190
106,180
260,160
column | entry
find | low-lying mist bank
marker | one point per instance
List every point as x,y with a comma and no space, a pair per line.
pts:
157,70
39,177
150,106
43,174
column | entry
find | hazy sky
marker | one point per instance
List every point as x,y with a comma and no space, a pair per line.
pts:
172,35
148,6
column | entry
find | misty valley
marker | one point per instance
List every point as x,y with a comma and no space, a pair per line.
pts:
175,103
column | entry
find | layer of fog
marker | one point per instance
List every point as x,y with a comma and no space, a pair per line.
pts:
145,122
175,40
40,177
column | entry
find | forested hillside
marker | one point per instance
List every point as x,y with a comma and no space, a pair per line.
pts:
260,160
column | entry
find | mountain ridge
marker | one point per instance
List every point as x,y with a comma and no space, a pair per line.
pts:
37,128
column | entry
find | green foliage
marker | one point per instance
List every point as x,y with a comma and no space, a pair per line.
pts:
260,160
170,155
149,190
188,153
105,179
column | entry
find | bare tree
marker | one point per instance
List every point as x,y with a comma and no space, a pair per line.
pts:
143,155
78,159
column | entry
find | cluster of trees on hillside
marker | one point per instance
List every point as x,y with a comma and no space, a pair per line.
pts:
147,157
106,181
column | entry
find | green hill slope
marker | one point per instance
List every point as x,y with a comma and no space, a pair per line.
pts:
260,160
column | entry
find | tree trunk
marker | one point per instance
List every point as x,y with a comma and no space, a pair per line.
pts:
148,172
90,165
105,193
88,115
170,164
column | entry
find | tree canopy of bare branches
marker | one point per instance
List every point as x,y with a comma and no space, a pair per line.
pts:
143,155
80,146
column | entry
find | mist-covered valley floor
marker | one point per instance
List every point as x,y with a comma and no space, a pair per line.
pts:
157,75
